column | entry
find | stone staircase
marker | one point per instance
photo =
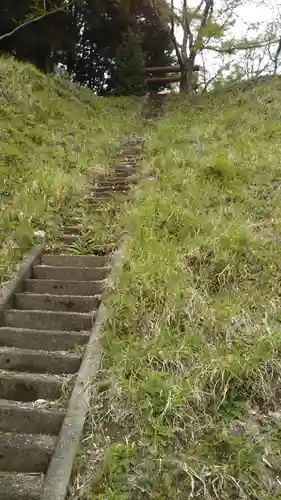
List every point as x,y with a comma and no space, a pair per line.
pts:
44,330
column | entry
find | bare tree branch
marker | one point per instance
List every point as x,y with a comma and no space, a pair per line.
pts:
187,30
170,32
187,35
198,8
172,18
207,13
276,57
36,19
176,47
208,82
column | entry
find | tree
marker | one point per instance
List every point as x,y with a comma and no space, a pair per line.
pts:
82,38
31,33
203,29
129,66
196,24
256,54
38,15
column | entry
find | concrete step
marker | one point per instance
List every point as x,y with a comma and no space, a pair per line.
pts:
74,260
131,151
68,239
25,452
58,287
124,174
70,273
97,202
19,486
48,320
120,181
46,302
108,194
109,188
99,209
75,219
35,361
124,168
104,195
49,340
72,230
25,418
27,387
128,158
115,181
126,161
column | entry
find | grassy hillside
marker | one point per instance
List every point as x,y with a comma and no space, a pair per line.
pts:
51,134
189,400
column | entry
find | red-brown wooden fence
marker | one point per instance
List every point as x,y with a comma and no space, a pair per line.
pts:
164,79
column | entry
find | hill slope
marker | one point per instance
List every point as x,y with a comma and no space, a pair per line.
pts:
51,134
190,389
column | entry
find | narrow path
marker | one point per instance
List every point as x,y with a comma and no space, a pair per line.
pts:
47,343
43,335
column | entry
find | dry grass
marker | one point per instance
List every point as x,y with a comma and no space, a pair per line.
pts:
52,134
189,398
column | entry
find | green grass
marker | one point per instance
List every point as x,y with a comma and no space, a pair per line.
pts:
188,404
52,135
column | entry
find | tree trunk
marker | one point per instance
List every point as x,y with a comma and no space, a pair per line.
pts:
184,82
187,72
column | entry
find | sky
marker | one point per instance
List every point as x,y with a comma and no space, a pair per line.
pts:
254,14
248,12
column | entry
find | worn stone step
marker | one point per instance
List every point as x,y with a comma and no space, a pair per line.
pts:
26,418
38,361
103,195
128,158
107,193
109,188
125,169
98,203
48,320
19,486
99,209
72,229
49,340
132,151
120,181
27,387
127,163
58,287
74,260
75,219
65,273
25,452
47,302
68,239
121,174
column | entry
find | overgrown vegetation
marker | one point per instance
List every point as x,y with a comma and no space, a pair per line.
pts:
52,134
129,66
189,395
84,38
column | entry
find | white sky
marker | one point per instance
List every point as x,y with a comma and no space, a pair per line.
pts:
246,14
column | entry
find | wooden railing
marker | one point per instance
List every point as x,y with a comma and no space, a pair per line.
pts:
162,80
